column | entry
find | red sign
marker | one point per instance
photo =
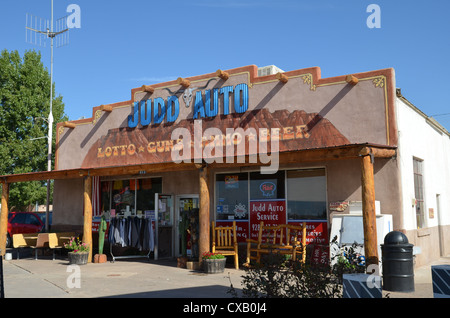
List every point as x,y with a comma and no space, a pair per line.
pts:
271,212
316,232
320,255
317,236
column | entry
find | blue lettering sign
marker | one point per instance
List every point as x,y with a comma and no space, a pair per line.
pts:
158,115
146,112
173,109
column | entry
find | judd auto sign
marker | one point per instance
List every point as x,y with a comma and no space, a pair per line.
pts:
271,212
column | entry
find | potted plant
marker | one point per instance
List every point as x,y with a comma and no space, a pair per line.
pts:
213,263
79,252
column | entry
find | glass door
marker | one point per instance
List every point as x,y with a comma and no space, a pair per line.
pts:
164,243
187,231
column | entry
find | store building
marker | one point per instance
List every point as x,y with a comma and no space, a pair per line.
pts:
252,144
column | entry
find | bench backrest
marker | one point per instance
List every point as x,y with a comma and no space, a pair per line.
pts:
52,240
58,239
282,234
20,240
224,237
42,240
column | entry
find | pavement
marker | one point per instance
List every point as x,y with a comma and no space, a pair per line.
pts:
141,278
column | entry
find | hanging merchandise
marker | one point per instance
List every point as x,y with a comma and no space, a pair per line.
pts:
131,232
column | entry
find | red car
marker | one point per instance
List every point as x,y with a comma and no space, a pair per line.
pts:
21,223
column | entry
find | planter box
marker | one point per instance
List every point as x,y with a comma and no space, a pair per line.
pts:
441,281
357,286
78,258
214,266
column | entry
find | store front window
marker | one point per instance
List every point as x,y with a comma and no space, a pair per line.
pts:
232,196
267,186
288,196
306,194
130,196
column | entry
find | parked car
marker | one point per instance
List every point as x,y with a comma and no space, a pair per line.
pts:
21,223
42,217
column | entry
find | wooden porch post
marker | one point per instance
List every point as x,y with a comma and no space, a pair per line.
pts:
4,217
87,226
369,216
204,213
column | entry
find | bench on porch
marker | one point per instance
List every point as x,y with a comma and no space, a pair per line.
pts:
57,240
22,241
285,239
38,241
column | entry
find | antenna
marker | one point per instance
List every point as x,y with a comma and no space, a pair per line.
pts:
37,30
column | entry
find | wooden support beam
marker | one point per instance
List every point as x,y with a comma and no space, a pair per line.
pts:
148,89
223,75
69,125
106,108
183,82
369,216
378,152
4,218
351,79
87,225
204,217
282,78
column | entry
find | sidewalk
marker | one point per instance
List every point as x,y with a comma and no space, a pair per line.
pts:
142,278
44,278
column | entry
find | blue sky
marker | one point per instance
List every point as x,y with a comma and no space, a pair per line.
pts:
125,44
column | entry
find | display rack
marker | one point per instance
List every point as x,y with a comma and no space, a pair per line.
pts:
111,245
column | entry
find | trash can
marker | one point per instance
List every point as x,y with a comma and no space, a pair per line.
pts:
397,263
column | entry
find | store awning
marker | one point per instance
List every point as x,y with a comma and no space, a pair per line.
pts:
365,152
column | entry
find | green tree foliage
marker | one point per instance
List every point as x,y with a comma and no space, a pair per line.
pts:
24,109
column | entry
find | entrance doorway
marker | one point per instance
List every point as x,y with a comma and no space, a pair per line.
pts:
187,232
164,247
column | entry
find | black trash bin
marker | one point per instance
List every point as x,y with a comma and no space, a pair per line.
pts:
397,263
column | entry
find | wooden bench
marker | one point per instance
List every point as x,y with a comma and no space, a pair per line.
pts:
224,241
285,239
38,241
57,240
21,241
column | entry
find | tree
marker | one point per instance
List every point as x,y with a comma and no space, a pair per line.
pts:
24,109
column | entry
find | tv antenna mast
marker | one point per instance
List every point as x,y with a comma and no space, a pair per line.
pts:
37,30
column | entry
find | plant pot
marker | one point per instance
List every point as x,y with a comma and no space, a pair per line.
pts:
78,258
214,266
